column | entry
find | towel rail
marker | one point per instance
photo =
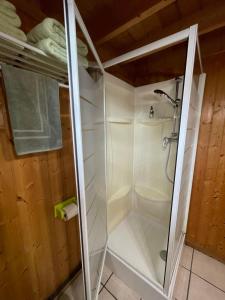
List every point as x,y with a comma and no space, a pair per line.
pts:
28,57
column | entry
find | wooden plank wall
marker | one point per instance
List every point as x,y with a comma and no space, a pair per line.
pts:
37,252
206,225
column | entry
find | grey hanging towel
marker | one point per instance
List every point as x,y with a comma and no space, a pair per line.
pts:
33,103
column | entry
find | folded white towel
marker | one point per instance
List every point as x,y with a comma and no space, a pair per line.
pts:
51,48
82,48
11,18
8,5
12,30
48,28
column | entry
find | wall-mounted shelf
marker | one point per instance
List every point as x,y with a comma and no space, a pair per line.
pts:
122,192
153,121
25,56
120,120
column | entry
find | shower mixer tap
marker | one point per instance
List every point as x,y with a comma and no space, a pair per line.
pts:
169,140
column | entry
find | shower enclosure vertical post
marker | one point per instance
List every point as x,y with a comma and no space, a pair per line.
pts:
71,40
201,87
71,15
192,42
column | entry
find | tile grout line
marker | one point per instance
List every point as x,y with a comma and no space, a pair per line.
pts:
191,272
208,282
104,287
189,280
107,280
110,293
185,268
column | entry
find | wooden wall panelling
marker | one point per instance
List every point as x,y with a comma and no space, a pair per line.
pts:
37,252
206,225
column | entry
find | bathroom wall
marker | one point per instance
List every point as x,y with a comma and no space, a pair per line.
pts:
206,229
37,252
136,158
120,114
153,191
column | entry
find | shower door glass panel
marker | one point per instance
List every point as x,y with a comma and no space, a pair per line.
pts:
190,114
91,85
189,156
89,123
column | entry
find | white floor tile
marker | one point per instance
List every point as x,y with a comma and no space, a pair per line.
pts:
202,290
186,257
181,285
209,269
106,274
120,290
105,295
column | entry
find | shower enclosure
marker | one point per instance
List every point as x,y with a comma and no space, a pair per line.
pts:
141,164
134,148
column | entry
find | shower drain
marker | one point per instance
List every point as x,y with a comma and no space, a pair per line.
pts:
163,254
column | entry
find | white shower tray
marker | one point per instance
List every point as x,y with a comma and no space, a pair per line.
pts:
122,192
151,194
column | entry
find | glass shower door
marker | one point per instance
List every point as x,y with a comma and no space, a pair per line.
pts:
189,125
88,108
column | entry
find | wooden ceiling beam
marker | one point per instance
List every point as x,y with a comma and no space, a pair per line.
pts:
209,19
134,21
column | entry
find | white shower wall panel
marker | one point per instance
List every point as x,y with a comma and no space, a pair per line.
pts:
120,114
136,157
145,97
150,157
153,189
119,98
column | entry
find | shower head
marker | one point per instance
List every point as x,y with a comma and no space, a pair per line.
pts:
171,100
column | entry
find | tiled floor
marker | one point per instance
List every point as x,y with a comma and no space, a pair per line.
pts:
113,288
199,277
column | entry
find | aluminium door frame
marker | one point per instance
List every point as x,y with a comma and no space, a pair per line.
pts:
191,51
71,15
71,40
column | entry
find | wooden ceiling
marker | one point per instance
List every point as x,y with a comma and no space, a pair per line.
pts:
120,26
117,27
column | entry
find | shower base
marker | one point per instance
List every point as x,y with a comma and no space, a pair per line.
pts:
139,241
133,254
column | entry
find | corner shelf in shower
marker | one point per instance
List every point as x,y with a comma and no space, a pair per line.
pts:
153,121
120,120
122,192
28,57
